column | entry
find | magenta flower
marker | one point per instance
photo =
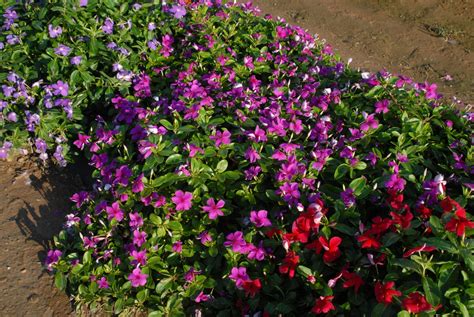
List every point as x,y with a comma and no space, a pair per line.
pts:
139,257
369,123
252,155
221,138
191,274
103,283
204,237
182,200
52,258
372,158
139,238
202,297
114,212
259,218
137,278
395,182
348,197
290,192
177,247
381,106
236,241
256,253
239,275
136,220
214,209
137,186
258,135
82,140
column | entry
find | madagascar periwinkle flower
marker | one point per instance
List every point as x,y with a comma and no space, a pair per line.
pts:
182,200
52,258
108,26
239,275
381,106
114,212
214,209
139,237
204,237
178,11
76,60
177,247
259,218
103,283
137,277
369,123
201,297
395,182
54,31
62,50
236,241
348,197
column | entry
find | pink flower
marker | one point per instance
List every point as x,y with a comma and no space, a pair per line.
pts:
135,220
252,155
202,298
381,106
114,212
259,218
103,283
182,200
177,247
139,238
369,123
214,209
239,275
204,237
81,141
137,278
139,257
221,138
236,241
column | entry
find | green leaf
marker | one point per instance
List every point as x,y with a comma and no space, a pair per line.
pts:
60,281
303,270
358,185
175,226
341,170
168,125
222,166
142,295
403,313
174,159
463,309
432,292
164,285
390,239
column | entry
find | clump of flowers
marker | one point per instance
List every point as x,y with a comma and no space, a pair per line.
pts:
247,169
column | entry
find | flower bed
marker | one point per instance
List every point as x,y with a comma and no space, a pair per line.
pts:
246,169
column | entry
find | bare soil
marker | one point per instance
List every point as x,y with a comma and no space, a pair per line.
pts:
424,39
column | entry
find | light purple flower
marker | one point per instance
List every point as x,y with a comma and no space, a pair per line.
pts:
76,60
182,200
83,3
137,278
108,26
12,117
62,50
259,218
178,11
213,208
60,88
54,31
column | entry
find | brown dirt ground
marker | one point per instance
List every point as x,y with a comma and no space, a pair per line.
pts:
424,39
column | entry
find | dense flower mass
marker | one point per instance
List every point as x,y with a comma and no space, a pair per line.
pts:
240,167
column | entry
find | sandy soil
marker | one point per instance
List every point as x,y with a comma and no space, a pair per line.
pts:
425,39
32,208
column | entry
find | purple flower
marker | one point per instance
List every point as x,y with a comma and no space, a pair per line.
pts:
395,182
60,88
12,39
258,135
151,26
76,60
348,197
114,212
236,241
12,117
259,218
102,283
381,106
108,26
221,138
54,31
40,145
137,186
252,172
83,3
402,158
81,141
139,238
182,200
372,158
62,50
369,123
290,192
4,149
239,275
122,174
214,209
177,247
178,11
142,86
137,278
52,258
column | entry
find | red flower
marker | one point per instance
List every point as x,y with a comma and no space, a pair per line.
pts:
290,262
352,280
252,287
402,220
448,204
323,305
273,232
423,248
385,292
424,211
416,303
395,200
459,222
368,241
331,248
380,225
